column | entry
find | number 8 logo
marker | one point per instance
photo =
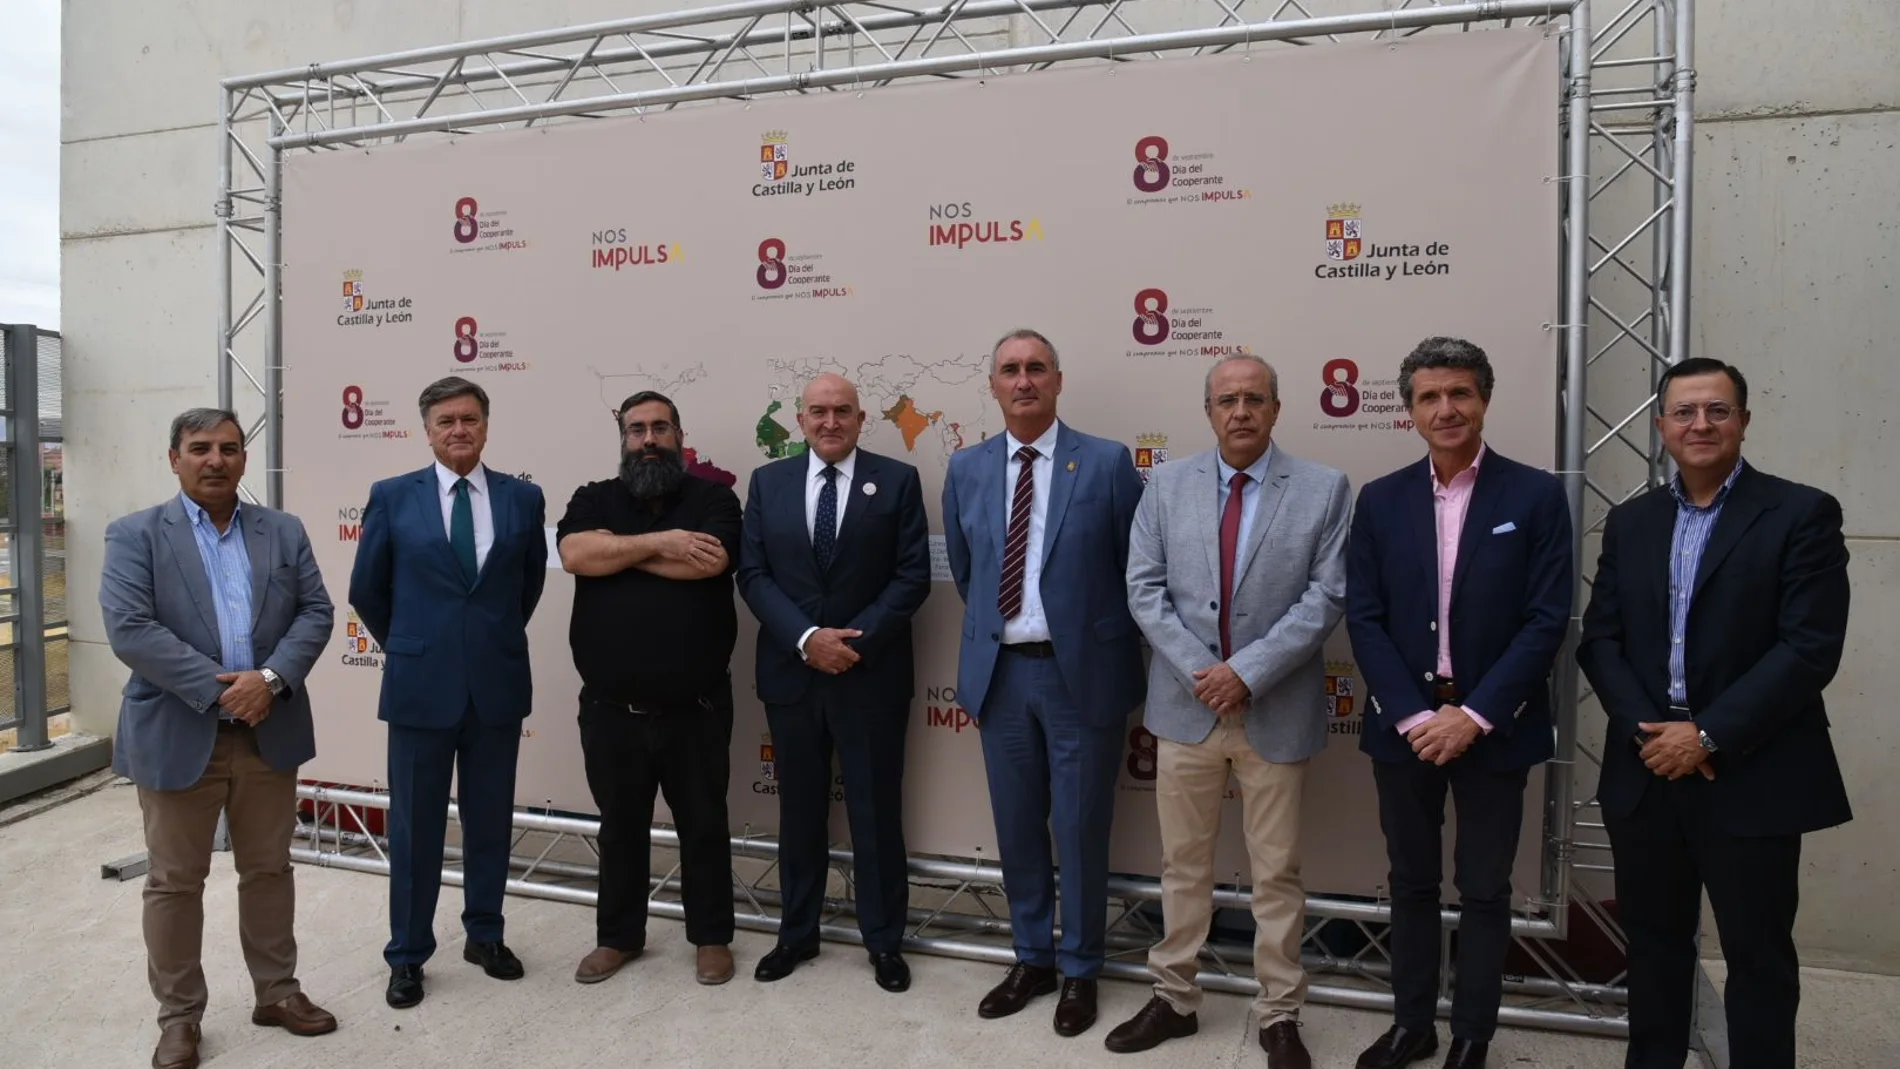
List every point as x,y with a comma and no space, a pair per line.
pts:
1340,398
352,407
465,339
1151,317
772,271
1153,173
466,229
1143,758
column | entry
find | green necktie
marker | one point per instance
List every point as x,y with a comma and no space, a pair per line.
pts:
462,531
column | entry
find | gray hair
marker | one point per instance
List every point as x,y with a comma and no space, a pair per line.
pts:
1207,384
1024,333
203,419
1456,354
448,389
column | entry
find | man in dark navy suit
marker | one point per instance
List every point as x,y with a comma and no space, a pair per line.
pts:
835,560
450,564
1717,617
1459,586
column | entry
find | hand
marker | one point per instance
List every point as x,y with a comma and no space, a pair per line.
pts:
1446,736
825,649
1675,749
1218,688
694,548
246,696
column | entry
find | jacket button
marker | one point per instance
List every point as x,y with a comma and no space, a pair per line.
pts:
996,638
1434,625
1428,677
1212,648
1214,605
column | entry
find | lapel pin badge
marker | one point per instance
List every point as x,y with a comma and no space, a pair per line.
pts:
1071,465
870,489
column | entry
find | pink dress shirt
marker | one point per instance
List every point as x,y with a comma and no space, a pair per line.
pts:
1450,502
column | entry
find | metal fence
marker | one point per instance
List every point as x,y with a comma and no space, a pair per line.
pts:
33,675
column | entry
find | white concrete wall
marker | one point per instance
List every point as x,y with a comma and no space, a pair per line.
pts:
1797,216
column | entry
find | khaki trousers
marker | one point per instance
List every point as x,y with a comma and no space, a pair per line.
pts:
1189,783
179,828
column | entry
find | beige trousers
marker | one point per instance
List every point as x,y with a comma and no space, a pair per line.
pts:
179,828
1190,781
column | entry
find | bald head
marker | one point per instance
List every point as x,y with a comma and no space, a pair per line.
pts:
830,417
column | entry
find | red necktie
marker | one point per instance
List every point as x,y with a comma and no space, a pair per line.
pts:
1009,595
1229,544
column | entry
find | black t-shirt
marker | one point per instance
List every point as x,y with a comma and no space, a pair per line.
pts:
640,638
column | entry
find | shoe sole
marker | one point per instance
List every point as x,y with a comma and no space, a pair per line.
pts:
395,1005
595,977
270,1022
1068,1033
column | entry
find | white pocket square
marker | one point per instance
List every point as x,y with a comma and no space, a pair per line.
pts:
1504,528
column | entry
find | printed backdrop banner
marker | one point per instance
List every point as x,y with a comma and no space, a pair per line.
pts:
1325,208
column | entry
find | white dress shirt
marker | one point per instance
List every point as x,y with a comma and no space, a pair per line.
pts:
814,484
479,504
1031,624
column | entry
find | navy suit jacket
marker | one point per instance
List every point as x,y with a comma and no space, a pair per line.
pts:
878,578
1092,500
1511,597
447,644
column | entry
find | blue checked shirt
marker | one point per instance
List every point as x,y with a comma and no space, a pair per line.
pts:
1694,524
228,567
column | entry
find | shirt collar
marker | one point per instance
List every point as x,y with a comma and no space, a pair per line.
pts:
477,479
846,467
1044,445
1257,471
1682,496
1432,469
199,517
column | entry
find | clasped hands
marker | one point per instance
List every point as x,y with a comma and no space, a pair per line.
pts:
246,696
1219,688
1675,749
826,651
1445,737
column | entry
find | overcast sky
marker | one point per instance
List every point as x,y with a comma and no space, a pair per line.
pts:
29,162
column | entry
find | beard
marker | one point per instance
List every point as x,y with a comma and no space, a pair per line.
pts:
652,472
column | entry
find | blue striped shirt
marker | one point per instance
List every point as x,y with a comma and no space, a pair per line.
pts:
1694,524
228,567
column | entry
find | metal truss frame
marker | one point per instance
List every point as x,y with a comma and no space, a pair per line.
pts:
1625,109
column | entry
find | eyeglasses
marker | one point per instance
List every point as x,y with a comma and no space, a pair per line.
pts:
656,429
1684,414
1227,402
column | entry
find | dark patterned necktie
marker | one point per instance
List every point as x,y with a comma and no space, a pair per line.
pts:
824,534
1009,596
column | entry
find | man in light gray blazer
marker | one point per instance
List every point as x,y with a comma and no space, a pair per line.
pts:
1236,574
219,612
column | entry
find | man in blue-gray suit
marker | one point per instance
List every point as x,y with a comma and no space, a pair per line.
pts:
1236,573
219,611
1036,523
448,570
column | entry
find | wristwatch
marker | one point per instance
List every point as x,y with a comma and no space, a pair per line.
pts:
274,681
1707,743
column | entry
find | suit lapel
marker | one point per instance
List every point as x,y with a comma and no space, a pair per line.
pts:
1739,513
1421,521
191,568
1487,491
995,465
1207,481
853,501
261,548
427,490
1266,508
1066,469
498,492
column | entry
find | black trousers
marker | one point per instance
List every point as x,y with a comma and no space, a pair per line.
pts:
1490,809
685,753
1666,852
870,747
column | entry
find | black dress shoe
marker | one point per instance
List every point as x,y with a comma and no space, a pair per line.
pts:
1281,1041
1465,1054
1399,1047
1020,984
892,973
1154,1025
781,961
1075,1010
405,986
495,959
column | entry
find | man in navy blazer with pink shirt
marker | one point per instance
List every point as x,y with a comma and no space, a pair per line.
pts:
1459,584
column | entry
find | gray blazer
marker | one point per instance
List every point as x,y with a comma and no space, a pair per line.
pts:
162,623
1290,594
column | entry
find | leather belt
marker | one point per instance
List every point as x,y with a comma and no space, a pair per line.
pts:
1031,649
1445,692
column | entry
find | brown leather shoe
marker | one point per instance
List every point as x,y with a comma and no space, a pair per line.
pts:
602,962
297,1015
1281,1041
715,965
1020,984
177,1047
1154,1025
1075,1010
